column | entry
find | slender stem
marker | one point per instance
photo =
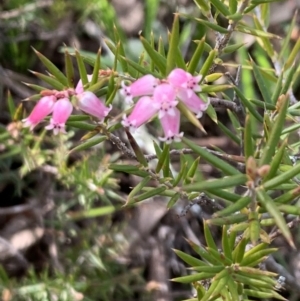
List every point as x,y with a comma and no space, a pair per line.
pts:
222,40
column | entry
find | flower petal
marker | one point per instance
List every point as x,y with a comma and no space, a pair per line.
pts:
142,112
43,108
89,103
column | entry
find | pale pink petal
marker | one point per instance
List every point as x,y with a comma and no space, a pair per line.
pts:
61,112
43,108
89,103
142,112
125,92
193,83
193,102
178,78
182,79
79,88
141,87
164,97
171,125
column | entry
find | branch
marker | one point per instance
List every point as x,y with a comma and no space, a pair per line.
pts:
222,40
224,103
120,145
291,225
14,13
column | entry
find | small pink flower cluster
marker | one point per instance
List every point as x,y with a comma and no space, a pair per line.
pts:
58,103
161,97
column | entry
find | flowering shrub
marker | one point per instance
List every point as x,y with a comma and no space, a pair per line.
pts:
255,188
59,104
179,86
162,99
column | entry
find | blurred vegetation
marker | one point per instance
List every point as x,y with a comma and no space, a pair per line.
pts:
72,186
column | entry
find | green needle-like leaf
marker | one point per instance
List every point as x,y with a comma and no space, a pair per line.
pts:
203,5
121,51
190,116
221,7
228,220
211,25
81,68
235,207
173,200
49,80
239,251
248,105
255,32
162,158
190,260
268,203
96,68
196,56
137,189
88,144
226,244
274,138
233,48
130,169
158,59
277,159
52,69
208,63
262,84
248,141
152,192
142,69
203,253
282,178
217,285
226,182
252,282
212,159
288,196
69,69
193,278
254,227
174,42
208,237
291,59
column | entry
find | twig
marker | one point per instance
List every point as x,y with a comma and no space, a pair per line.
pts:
121,145
291,225
17,209
129,153
222,40
173,152
276,63
223,103
24,9
230,158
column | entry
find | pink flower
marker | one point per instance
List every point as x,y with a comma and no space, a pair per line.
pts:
43,108
79,88
181,79
89,103
164,98
61,112
143,86
193,102
170,125
142,112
